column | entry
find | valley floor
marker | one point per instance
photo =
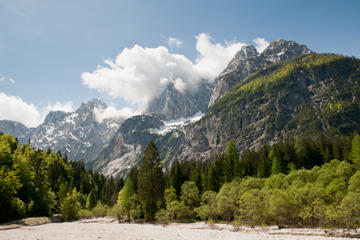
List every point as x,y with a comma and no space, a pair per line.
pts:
109,228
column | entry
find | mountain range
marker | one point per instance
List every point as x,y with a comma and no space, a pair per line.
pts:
286,91
78,134
250,123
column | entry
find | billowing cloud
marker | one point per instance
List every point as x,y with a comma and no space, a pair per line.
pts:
213,58
260,44
112,112
140,74
14,108
174,43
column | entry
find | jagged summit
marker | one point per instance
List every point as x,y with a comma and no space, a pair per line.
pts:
92,104
54,116
281,50
247,52
247,61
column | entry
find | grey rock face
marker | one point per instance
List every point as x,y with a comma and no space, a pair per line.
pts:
173,104
247,61
77,133
20,131
127,145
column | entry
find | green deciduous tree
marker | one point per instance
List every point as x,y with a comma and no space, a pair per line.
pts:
125,199
190,194
70,207
207,210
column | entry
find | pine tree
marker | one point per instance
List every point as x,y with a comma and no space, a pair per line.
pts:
150,181
355,151
275,166
231,161
177,178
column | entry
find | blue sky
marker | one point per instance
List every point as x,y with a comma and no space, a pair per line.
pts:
46,45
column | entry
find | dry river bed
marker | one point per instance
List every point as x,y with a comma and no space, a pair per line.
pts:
109,228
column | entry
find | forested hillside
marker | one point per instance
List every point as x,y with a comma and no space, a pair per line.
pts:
39,183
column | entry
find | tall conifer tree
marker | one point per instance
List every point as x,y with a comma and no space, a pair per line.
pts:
150,181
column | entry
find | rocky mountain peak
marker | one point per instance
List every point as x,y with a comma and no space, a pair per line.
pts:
55,116
91,105
246,52
281,50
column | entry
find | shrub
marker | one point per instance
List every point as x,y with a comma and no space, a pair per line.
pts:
84,213
162,216
99,210
70,207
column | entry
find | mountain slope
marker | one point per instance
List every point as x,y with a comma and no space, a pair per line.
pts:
247,61
309,95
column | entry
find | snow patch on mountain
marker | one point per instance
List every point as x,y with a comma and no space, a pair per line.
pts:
176,124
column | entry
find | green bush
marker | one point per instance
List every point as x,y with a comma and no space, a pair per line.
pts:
162,216
84,213
70,207
99,210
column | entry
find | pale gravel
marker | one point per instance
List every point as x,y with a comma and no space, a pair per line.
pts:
107,228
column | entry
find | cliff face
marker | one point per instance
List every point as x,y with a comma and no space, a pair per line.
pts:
173,104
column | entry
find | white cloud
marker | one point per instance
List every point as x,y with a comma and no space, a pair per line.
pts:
213,58
140,74
12,81
14,108
58,106
174,43
260,44
2,79
112,112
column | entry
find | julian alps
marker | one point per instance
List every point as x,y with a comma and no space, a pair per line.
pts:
186,141
78,134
